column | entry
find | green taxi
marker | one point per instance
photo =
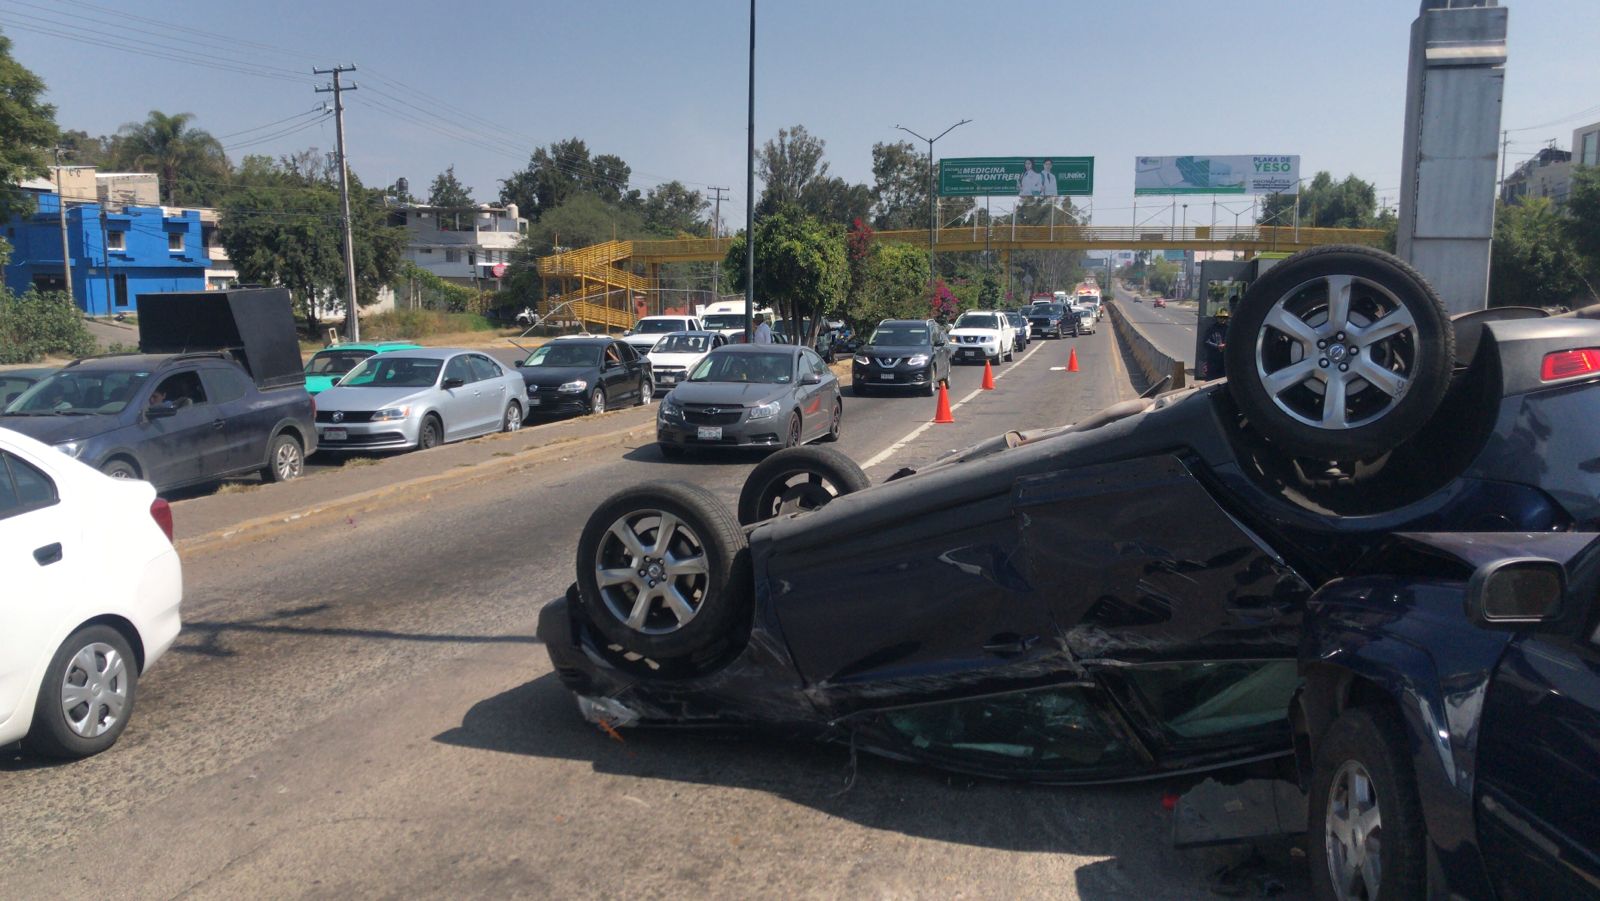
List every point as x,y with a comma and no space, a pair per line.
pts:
330,364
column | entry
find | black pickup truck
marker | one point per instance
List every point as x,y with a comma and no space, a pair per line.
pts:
216,390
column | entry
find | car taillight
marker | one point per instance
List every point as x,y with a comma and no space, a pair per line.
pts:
1565,364
161,512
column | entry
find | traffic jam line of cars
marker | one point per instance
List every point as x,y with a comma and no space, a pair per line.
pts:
1367,563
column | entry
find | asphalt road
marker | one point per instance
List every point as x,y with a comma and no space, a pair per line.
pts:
1171,329
363,710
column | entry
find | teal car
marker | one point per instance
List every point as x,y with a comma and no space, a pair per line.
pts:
330,364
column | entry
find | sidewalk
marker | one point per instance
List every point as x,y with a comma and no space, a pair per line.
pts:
260,508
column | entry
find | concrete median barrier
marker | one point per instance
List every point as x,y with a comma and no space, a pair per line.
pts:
1150,362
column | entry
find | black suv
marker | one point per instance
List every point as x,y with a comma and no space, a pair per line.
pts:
1051,320
902,353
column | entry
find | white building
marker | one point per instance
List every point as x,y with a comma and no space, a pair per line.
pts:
470,246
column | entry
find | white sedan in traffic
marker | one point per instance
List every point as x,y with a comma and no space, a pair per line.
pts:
675,355
91,592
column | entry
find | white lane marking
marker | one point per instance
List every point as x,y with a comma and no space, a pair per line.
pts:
911,436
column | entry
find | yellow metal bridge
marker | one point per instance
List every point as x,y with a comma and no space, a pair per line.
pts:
602,281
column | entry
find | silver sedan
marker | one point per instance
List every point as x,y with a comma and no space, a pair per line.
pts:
420,399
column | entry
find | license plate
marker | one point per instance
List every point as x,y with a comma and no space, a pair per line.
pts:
709,433
668,379
886,376
534,401
334,435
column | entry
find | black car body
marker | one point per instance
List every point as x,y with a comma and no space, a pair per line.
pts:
1051,320
585,374
177,418
1497,721
1116,599
902,353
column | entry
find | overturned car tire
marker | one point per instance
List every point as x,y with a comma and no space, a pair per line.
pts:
796,480
1339,352
664,572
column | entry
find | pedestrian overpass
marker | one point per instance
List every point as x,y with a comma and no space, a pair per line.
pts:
601,281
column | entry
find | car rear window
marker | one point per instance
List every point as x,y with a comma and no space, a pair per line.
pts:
22,486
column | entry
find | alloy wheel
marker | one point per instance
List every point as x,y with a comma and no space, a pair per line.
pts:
1353,834
513,418
652,572
289,461
94,690
1337,352
597,404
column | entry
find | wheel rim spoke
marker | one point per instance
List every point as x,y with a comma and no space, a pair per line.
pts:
1333,405
624,533
686,566
664,534
641,608
1291,325
1397,322
609,577
678,604
1289,376
1338,304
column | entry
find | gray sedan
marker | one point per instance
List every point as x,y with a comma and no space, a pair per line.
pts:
752,395
420,398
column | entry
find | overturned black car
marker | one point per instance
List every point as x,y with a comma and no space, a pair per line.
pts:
1118,598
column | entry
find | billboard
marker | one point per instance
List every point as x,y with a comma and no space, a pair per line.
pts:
1216,175
1017,176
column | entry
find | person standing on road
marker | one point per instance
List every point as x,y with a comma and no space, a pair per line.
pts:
763,333
1211,367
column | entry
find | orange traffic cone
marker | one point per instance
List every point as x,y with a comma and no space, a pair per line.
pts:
988,377
1072,360
942,414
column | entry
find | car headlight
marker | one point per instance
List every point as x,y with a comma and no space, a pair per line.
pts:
765,411
391,414
70,448
576,386
918,360
862,359
670,409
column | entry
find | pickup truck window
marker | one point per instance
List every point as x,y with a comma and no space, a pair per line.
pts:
182,389
79,392
227,385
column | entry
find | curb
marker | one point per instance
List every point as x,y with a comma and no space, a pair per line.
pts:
278,523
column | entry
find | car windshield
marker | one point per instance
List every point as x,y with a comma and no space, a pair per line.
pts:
977,320
659,326
80,392
389,371
558,354
771,369
682,344
336,362
723,321
1048,309
902,336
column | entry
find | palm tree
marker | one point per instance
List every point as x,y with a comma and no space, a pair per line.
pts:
174,150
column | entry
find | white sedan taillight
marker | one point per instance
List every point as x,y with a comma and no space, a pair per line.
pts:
161,512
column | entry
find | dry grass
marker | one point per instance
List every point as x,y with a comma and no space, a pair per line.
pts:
237,487
363,461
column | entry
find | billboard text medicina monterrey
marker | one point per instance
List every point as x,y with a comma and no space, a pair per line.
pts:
999,176
1263,174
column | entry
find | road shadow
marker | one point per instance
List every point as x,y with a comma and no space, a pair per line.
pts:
651,453
1124,823
207,638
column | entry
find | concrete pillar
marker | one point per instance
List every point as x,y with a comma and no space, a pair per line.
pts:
1452,127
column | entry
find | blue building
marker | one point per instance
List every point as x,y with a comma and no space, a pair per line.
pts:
119,251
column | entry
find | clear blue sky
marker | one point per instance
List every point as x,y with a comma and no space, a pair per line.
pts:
662,84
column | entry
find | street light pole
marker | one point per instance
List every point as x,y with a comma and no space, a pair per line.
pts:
933,217
750,194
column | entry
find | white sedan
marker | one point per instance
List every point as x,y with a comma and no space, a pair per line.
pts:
91,596
676,354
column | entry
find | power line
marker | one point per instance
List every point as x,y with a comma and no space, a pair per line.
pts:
321,108
131,45
280,134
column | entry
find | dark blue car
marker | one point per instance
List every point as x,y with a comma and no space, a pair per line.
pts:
1448,727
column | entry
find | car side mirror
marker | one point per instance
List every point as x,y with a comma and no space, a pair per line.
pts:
811,378
1516,593
521,363
453,382
627,333
164,410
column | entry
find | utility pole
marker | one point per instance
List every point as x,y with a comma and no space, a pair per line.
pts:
1505,151
716,233
61,207
352,320
750,193
933,192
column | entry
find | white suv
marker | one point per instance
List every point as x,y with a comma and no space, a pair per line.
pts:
982,335
647,331
92,588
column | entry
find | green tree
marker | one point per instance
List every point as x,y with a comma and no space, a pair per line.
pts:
671,209
801,266
563,169
28,127
582,220
786,165
1533,262
191,163
899,186
835,200
448,191
282,228
894,283
1582,225
1325,203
